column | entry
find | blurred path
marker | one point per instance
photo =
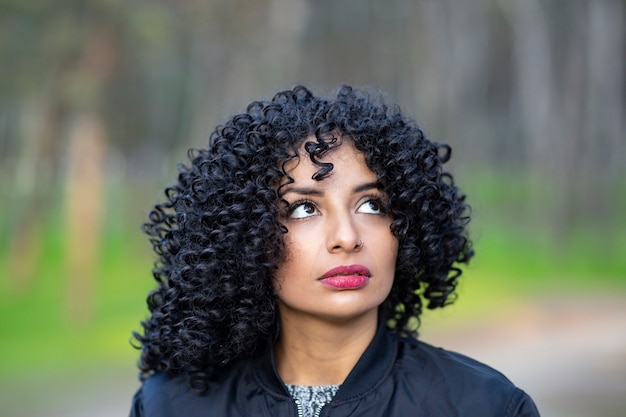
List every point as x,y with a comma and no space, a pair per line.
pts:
568,354
89,393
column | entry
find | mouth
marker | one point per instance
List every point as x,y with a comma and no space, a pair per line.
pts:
346,277
347,270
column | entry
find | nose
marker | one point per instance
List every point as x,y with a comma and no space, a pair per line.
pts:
343,234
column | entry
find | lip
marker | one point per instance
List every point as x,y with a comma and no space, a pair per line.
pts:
347,270
347,277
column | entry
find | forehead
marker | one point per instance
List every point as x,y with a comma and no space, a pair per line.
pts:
345,158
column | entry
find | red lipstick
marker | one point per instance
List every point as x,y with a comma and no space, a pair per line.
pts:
347,277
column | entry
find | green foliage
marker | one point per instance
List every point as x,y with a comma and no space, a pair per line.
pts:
519,232
40,332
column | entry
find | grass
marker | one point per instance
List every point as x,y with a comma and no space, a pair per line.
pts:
38,329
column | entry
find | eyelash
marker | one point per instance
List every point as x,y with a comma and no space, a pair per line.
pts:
293,206
383,206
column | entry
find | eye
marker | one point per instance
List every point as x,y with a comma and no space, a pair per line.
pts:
302,209
372,206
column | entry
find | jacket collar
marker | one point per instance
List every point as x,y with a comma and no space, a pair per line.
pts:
375,363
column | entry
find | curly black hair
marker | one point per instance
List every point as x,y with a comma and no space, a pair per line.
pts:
219,238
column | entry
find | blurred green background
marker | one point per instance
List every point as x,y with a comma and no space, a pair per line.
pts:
99,99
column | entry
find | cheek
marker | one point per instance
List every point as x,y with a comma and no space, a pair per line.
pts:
394,250
291,259
292,249
389,241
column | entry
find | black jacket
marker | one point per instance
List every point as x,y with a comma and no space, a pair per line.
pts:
394,377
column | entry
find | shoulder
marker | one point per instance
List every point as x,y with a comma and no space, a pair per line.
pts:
160,395
164,395
436,361
440,364
459,381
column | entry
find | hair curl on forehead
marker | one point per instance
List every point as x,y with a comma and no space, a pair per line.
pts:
218,235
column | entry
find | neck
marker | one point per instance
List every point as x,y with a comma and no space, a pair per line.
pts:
314,351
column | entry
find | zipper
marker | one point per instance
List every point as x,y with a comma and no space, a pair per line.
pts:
317,413
299,408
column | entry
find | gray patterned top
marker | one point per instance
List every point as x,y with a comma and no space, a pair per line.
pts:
311,399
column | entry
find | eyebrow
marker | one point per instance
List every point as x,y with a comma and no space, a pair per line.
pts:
368,186
318,192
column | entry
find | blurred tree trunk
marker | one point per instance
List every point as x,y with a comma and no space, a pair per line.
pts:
571,106
86,155
84,212
539,115
603,137
34,186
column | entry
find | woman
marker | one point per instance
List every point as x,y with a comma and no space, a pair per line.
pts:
295,256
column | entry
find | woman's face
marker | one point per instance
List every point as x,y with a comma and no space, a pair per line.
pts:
341,253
